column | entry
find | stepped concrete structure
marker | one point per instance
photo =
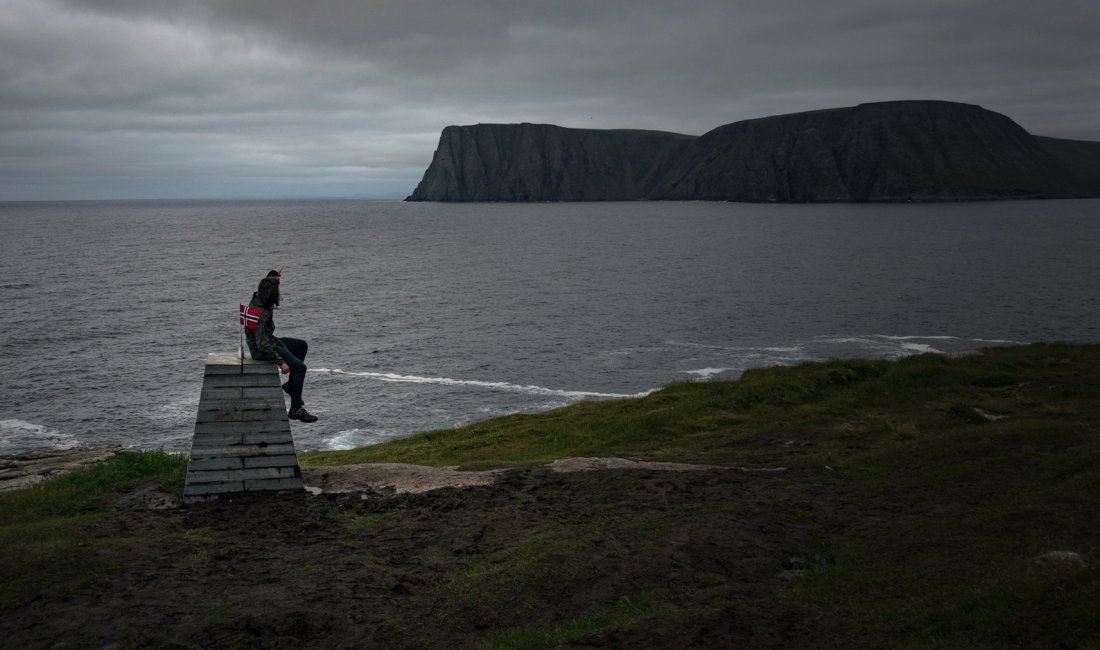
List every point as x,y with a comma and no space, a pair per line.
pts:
242,437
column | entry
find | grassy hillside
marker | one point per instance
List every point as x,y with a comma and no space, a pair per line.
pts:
869,418
930,502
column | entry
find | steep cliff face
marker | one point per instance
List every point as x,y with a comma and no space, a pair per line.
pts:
541,162
890,151
1080,159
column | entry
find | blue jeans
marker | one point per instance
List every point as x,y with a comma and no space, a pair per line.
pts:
293,352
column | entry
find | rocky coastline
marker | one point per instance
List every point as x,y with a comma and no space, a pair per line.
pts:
26,469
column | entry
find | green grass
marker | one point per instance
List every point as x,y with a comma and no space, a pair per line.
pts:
628,611
940,513
845,408
87,488
46,531
950,509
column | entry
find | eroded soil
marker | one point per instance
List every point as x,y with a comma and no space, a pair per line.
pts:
697,557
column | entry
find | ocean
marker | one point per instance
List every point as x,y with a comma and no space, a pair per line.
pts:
422,316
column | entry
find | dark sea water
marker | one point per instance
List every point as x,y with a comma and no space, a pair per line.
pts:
422,316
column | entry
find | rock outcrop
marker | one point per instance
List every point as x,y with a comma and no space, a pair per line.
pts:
23,470
1080,159
889,151
541,162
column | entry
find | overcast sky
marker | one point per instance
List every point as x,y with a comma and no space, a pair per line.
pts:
284,98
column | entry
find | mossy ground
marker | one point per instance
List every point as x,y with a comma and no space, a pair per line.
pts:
919,498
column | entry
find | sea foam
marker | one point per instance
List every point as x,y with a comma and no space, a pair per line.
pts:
18,435
475,383
707,372
350,439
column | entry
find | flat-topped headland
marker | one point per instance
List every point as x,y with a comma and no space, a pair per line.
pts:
916,150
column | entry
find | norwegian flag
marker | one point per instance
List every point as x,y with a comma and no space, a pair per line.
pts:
250,316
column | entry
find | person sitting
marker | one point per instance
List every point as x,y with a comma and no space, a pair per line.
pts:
288,353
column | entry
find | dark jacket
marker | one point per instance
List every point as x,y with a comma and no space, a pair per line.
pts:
261,341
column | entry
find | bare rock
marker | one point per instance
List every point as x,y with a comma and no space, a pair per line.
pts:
992,417
20,471
1063,557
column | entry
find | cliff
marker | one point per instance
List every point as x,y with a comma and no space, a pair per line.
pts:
541,162
1080,158
889,151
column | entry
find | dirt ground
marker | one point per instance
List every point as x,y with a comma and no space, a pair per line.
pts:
403,478
387,566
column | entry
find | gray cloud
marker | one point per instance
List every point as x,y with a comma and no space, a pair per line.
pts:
137,99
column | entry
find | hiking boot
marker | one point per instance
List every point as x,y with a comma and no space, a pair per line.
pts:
301,414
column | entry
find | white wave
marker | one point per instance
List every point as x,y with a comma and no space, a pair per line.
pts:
920,348
23,435
941,337
794,349
707,372
492,385
845,339
880,339
625,352
349,439
916,338
174,412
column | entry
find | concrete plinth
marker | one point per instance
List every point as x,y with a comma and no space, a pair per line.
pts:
242,436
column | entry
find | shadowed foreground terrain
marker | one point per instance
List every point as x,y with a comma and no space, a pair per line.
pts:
931,502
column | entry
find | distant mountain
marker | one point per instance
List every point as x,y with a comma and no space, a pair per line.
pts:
889,151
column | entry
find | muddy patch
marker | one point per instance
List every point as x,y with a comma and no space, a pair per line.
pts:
585,464
695,553
401,478
392,477
148,496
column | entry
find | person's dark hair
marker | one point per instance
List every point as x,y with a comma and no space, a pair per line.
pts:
269,291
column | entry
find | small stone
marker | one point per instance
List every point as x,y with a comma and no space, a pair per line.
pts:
1064,556
992,417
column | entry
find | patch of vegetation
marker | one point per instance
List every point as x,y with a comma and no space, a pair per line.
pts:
628,611
45,530
920,505
961,473
839,409
353,521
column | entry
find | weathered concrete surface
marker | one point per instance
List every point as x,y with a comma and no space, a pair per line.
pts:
242,438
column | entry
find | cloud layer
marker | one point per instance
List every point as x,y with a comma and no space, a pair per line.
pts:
276,98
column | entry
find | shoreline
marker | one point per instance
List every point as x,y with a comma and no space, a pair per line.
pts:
29,468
